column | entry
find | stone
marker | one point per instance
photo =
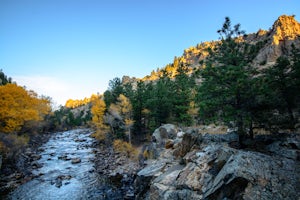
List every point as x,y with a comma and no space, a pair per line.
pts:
36,165
180,134
35,157
188,141
75,160
64,157
169,144
152,170
213,170
161,134
58,183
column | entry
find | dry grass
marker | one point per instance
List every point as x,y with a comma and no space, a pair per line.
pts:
126,149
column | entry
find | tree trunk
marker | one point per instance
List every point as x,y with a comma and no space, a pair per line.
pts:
251,134
129,136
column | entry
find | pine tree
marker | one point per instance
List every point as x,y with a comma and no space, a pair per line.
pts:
160,100
280,84
226,93
139,105
182,90
115,89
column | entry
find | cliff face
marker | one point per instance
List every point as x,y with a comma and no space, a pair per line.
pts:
284,33
285,28
274,43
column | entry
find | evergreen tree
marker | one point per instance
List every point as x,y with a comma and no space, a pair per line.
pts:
138,106
4,79
182,91
160,100
113,92
226,93
280,84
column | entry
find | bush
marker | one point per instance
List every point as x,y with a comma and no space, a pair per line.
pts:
12,144
125,148
99,135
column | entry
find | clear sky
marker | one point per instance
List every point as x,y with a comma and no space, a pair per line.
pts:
72,48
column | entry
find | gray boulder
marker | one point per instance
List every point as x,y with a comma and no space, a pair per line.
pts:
216,171
163,133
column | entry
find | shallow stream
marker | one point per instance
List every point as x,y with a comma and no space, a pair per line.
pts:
66,171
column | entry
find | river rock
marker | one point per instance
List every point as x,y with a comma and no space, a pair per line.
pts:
58,183
64,157
36,165
75,160
35,157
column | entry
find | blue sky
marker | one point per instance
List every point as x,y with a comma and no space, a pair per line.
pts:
72,48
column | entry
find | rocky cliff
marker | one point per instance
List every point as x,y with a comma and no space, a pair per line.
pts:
191,165
272,44
285,32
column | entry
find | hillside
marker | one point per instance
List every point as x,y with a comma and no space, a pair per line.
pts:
174,93
272,44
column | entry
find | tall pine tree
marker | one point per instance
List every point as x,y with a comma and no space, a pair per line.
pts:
226,93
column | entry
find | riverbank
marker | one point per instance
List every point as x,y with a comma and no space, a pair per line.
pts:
118,168
16,172
193,165
65,163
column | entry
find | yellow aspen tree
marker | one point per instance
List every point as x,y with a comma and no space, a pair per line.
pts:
18,106
98,110
125,110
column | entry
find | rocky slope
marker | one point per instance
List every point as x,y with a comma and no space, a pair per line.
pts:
191,165
273,43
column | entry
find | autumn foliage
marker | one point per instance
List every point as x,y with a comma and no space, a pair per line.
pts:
125,148
19,106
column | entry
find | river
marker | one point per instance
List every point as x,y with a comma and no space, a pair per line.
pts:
66,171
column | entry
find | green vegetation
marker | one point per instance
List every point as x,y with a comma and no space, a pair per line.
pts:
225,88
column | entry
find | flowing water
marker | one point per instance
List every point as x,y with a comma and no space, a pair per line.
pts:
60,177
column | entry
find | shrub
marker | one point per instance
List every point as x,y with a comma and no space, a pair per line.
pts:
12,144
99,135
125,148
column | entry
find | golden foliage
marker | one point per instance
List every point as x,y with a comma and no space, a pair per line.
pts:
124,105
75,103
18,106
125,148
99,134
98,111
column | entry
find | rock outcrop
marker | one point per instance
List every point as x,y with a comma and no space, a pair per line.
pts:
278,41
272,44
204,166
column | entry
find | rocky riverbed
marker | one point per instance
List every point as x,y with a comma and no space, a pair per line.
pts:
177,164
70,166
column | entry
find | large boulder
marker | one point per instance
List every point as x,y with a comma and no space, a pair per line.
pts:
208,168
163,133
145,176
253,175
190,138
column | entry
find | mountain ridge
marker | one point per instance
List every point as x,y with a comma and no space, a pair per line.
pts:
273,43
